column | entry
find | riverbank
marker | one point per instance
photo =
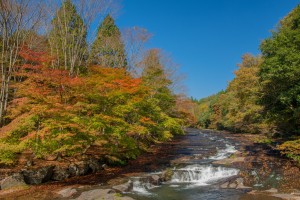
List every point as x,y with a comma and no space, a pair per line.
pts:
250,156
264,169
157,158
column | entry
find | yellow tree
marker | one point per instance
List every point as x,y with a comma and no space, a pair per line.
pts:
244,114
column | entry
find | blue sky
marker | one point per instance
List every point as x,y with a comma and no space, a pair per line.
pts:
206,37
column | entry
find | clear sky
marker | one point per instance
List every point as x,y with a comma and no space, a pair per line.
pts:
206,37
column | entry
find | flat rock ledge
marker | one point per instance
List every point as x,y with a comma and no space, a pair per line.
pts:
274,193
91,194
235,158
237,183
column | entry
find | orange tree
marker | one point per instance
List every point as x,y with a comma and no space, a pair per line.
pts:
57,114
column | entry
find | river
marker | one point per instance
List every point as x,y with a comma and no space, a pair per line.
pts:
194,177
202,164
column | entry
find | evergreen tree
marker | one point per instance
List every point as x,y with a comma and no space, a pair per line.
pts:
280,73
68,38
108,48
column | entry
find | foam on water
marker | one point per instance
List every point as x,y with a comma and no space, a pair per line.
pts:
141,187
202,175
193,175
224,153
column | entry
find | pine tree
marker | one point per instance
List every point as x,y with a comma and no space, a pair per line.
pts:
68,38
108,48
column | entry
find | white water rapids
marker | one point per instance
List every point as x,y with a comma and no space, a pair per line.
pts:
194,174
202,175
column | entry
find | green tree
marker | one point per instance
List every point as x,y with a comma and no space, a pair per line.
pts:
108,48
68,38
280,74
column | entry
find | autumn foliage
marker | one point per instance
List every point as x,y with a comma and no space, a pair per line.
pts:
263,97
54,113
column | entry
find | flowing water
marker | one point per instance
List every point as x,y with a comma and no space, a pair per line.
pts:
194,174
194,177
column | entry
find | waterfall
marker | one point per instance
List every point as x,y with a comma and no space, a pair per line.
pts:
141,185
224,153
202,175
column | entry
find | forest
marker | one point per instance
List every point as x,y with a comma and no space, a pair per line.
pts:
72,81
91,108
67,88
264,96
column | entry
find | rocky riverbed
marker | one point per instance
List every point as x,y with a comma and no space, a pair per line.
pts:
202,164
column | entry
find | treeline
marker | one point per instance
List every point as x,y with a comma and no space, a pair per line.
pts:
264,96
62,95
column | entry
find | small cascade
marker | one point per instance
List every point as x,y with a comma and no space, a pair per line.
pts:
202,175
194,172
224,153
141,185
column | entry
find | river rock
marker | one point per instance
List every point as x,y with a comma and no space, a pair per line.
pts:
126,187
232,185
38,176
60,173
224,185
67,192
229,161
272,190
155,180
78,169
94,165
15,180
167,175
286,196
295,193
84,167
240,184
101,194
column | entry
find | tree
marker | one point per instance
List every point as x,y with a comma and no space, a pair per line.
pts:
244,113
18,19
67,38
108,48
280,74
155,77
135,39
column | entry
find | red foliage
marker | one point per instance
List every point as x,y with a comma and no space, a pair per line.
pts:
38,57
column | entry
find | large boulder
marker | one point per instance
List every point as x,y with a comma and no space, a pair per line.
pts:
60,173
155,180
67,192
94,165
84,167
38,176
78,169
126,187
167,175
15,180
